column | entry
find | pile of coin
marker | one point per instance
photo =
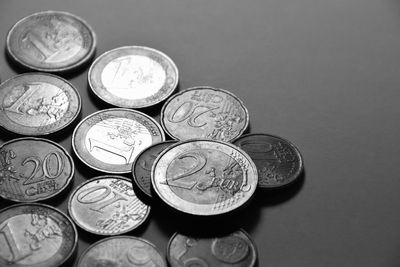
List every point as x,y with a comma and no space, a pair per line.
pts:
209,168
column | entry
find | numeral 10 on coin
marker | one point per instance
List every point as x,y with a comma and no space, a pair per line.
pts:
97,195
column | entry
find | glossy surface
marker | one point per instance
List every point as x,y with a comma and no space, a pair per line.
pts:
110,140
204,112
323,74
51,41
107,205
236,249
33,169
141,167
38,104
278,161
35,235
204,177
133,76
124,251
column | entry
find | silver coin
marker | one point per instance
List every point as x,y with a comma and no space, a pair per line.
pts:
35,235
107,205
38,104
133,77
204,177
204,112
51,41
33,169
126,251
236,249
110,140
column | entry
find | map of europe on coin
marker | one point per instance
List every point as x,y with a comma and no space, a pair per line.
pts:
110,140
204,177
33,169
204,112
133,76
35,235
51,41
37,104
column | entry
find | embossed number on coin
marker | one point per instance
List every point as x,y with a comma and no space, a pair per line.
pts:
51,41
122,251
35,235
204,112
33,169
204,177
37,104
110,140
133,77
107,205
235,249
278,161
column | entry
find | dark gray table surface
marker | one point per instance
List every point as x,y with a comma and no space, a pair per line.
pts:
321,73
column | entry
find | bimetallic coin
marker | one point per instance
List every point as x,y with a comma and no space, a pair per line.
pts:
236,249
204,177
107,205
127,251
51,41
110,140
35,235
278,161
141,167
38,104
33,169
204,112
133,77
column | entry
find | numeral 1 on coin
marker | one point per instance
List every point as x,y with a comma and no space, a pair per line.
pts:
16,252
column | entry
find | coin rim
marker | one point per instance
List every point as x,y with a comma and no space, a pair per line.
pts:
69,179
76,238
241,230
298,172
103,177
77,64
118,103
76,151
121,237
189,211
162,116
55,129
134,178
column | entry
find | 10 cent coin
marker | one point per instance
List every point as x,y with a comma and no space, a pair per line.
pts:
204,177
127,251
278,161
236,249
110,140
133,77
37,104
204,112
35,235
33,169
51,41
107,205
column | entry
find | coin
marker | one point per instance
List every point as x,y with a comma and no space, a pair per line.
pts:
133,77
236,249
110,140
33,169
204,177
278,161
122,251
51,41
35,235
107,205
204,112
37,104
141,167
